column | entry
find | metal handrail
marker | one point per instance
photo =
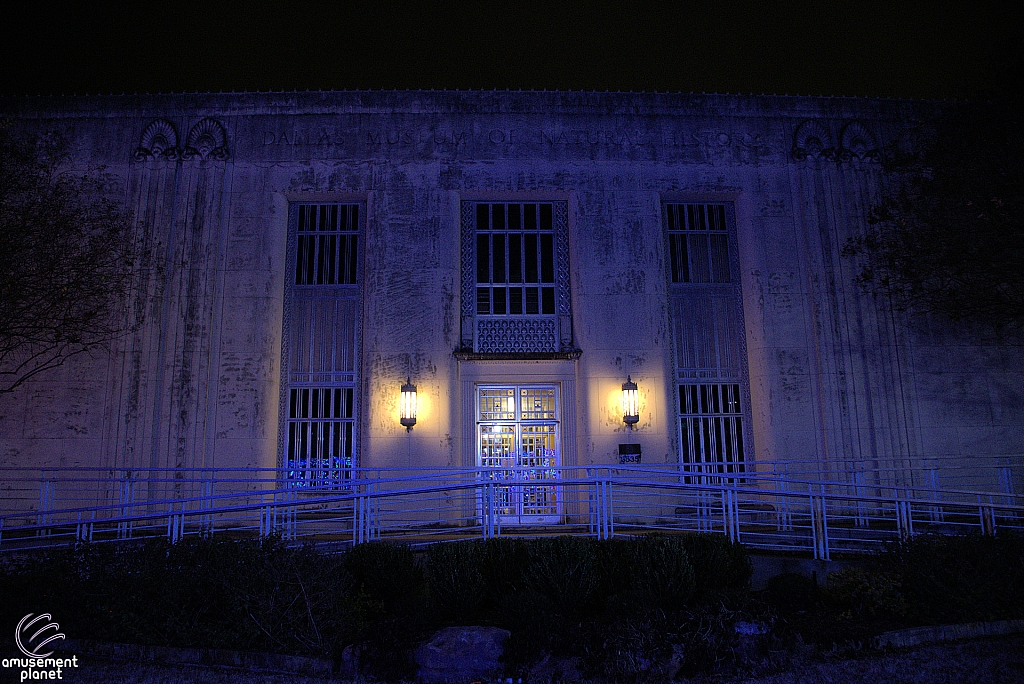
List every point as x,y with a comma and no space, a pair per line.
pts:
726,470
467,502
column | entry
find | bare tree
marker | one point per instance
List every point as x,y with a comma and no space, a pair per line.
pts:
949,237
66,258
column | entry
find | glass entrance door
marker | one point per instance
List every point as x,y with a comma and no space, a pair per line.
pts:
517,441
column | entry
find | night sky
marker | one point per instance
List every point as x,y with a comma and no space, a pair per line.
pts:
928,49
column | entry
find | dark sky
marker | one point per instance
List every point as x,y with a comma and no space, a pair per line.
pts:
927,49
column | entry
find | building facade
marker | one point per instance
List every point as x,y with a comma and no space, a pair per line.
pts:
518,257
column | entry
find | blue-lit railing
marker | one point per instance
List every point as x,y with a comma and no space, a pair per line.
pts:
766,508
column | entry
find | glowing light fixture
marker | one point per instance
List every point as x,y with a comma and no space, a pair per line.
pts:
408,404
630,403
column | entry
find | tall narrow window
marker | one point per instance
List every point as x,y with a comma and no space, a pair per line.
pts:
711,371
321,356
515,268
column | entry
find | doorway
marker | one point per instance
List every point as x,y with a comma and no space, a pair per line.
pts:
518,444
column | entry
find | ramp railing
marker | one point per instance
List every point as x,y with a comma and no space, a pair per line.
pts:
772,511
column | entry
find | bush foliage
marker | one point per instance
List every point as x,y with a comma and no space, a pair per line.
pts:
929,580
553,594
935,580
618,606
197,593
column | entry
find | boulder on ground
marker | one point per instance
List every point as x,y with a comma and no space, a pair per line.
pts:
461,654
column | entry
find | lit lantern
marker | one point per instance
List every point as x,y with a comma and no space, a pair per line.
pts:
630,403
408,404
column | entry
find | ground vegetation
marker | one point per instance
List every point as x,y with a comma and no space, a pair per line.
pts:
650,609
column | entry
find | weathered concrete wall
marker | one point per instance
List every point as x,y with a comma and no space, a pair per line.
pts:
834,378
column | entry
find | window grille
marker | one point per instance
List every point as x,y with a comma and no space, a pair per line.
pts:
708,330
515,277
321,428
326,244
515,259
698,243
322,359
711,427
707,334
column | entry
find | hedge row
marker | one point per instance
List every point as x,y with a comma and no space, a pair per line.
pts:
250,595
619,607
937,580
571,577
929,580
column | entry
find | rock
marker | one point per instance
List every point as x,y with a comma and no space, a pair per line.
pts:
674,665
750,636
461,654
349,665
750,628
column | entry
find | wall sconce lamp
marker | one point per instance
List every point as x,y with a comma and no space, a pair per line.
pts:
408,404
630,403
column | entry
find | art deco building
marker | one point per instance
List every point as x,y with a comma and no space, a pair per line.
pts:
517,257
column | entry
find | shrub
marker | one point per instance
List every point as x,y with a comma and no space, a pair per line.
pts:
455,576
856,593
615,563
291,600
932,580
708,637
253,595
386,610
386,573
718,564
958,578
791,592
504,566
563,571
660,572
630,648
221,594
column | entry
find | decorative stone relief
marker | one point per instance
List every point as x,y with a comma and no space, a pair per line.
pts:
468,284
813,139
516,335
564,284
562,242
857,142
206,140
159,139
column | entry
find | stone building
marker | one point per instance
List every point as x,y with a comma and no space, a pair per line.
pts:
517,257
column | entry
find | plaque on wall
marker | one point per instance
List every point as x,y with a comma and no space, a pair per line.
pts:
629,453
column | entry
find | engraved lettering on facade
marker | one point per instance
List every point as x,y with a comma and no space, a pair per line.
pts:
380,138
322,137
588,137
455,138
325,137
